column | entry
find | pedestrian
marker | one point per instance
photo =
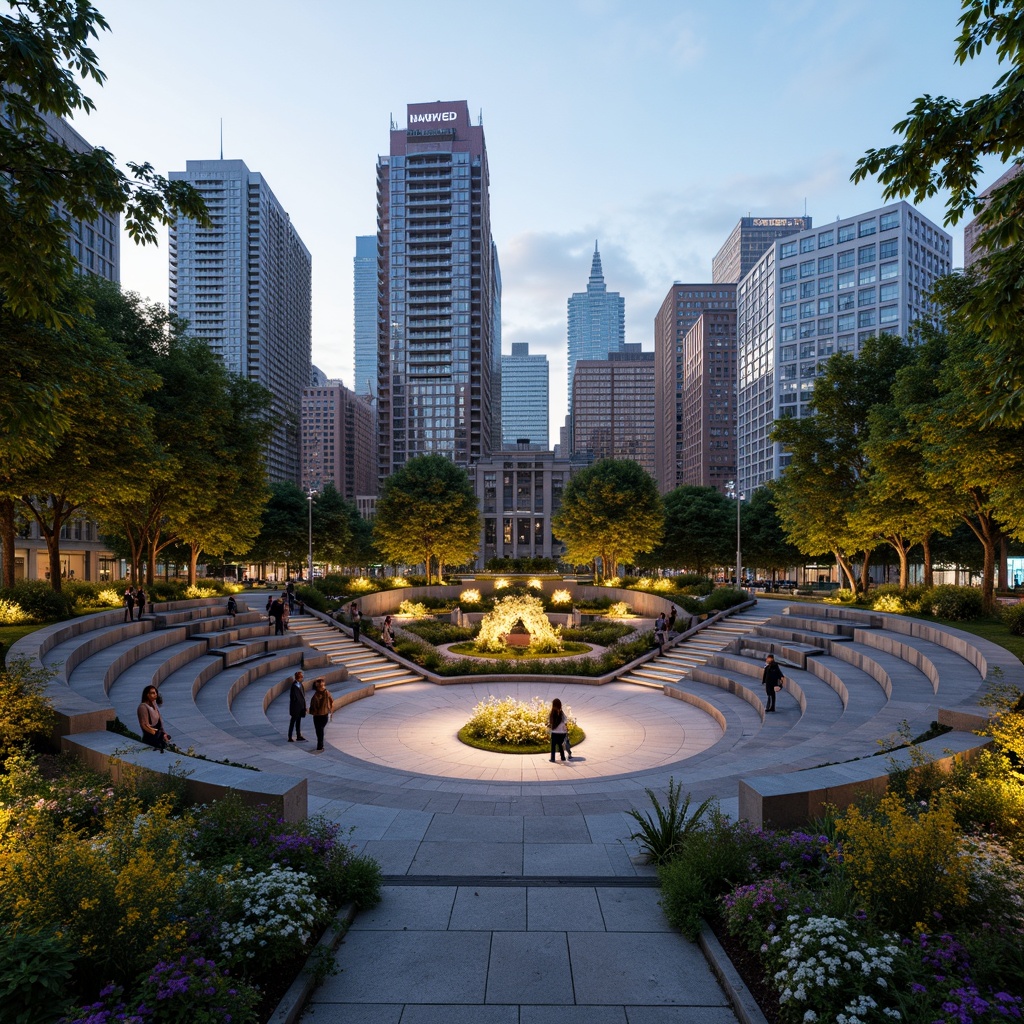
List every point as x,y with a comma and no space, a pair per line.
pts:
357,621
558,725
659,633
277,615
140,601
321,704
772,679
387,635
296,707
290,598
129,604
150,721
286,612
672,621
232,607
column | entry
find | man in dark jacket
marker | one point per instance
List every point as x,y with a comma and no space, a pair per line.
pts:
771,677
296,707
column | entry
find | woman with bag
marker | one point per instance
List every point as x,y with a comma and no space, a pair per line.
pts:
558,725
150,722
321,704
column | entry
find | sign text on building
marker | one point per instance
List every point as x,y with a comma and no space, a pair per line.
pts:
436,115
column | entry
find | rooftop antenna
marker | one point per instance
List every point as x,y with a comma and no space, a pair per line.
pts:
805,206
222,138
480,118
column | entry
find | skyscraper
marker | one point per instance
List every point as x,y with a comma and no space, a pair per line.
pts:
748,241
817,293
613,407
364,274
679,311
438,284
524,397
244,286
337,441
597,320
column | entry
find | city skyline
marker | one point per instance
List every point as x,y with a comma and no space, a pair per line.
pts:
590,130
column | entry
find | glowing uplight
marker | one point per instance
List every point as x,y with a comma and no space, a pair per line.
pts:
470,597
561,597
501,584
535,584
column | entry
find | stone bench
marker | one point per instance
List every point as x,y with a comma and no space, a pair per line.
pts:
795,799
205,781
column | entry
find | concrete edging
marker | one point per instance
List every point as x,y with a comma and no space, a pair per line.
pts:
740,997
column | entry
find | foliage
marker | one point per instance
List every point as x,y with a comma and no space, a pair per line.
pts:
954,603
438,633
521,564
754,912
312,597
898,600
1013,616
25,712
612,511
996,882
511,721
603,634
943,143
724,598
561,597
427,512
12,614
905,866
664,834
415,609
765,544
507,613
39,600
35,968
825,970
700,529
470,596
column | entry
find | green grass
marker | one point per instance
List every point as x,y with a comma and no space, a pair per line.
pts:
988,628
570,650
576,736
8,634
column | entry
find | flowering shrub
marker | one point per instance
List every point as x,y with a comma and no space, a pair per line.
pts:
360,584
753,912
534,584
414,609
501,583
470,596
618,610
12,614
841,596
905,866
996,883
561,597
825,971
891,603
612,581
109,597
271,915
510,611
512,721
25,713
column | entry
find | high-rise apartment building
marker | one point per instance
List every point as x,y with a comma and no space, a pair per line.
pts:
524,397
819,292
708,437
337,441
597,320
747,243
364,294
680,310
244,285
438,283
613,407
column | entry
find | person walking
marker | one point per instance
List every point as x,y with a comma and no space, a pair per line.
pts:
558,725
150,721
357,621
129,604
772,679
387,635
321,705
296,708
277,616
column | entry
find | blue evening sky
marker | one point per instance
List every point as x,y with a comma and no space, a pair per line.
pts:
649,125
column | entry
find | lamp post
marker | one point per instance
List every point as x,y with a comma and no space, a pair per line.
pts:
309,581
732,489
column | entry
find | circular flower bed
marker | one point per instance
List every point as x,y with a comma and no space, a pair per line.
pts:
513,726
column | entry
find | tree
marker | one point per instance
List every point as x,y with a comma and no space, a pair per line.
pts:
284,528
764,541
943,142
426,511
333,526
611,511
45,58
700,529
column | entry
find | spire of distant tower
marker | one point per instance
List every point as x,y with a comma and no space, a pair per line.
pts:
596,282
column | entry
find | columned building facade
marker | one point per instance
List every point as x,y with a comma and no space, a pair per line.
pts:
244,284
437,289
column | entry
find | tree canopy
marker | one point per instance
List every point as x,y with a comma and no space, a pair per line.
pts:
427,512
45,60
700,529
612,511
944,140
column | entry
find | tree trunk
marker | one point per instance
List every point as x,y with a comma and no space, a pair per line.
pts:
865,571
1003,575
193,559
903,552
928,578
7,540
984,527
61,512
847,569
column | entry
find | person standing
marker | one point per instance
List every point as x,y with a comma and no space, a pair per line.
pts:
558,724
140,601
286,612
772,679
321,704
387,635
659,633
296,708
150,721
129,604
277,616
232,607
671,624
357,621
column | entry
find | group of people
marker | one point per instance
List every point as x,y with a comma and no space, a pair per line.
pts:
134,599
320,706
664,628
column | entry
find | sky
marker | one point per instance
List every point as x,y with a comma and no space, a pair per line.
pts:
649,126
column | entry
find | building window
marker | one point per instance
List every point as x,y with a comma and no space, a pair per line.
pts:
845,302
824,306
847,233
807,244
846,322
888,221
787,294
788,353
888,314
847,259
845,343
786,250
825,285
824,264
888,292
866,227
887,271
866,275
787,334
866,318
807,268
788,314
846,280
787,274
807,329
888,249
807,290
866,254
866,297
825,239
825,326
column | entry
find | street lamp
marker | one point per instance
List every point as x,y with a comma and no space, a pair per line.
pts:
733,492
309,581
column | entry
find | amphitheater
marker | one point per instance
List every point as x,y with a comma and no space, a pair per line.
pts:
446,820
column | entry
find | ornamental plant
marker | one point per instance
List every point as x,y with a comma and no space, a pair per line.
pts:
754,912
905,863
561,597
512,721
470,596
516,608
414,609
